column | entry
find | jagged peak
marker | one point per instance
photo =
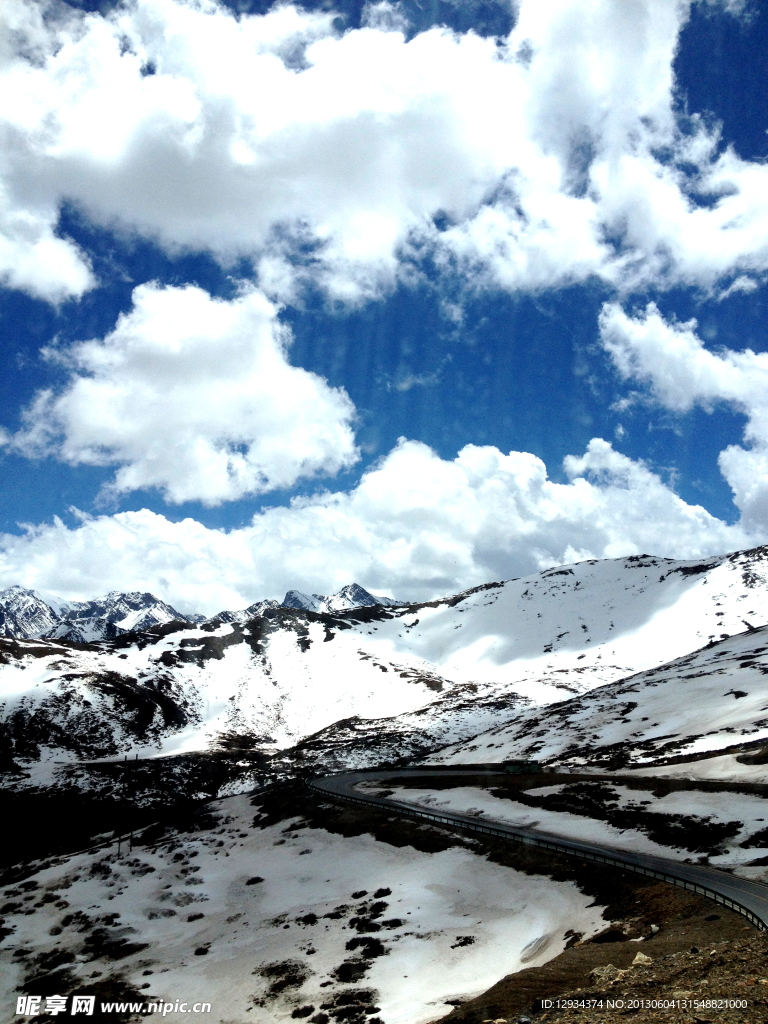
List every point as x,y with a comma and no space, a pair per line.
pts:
350,596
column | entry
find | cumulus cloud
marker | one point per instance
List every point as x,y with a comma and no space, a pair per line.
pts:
34,260
195,396
242,135
417,527
681,372
384,15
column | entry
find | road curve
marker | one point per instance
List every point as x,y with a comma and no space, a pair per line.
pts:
740,894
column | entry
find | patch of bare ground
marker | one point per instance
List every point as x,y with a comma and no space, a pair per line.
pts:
702,956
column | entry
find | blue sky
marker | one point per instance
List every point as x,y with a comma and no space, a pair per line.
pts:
416,295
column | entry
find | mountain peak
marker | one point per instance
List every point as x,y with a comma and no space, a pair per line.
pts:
350,596
25,614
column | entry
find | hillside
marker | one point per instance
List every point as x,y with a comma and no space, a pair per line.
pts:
380,682
692,708
626,667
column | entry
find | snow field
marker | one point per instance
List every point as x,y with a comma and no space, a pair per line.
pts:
750,810
713,698
440,900
722,767
547,638
600,620
285,694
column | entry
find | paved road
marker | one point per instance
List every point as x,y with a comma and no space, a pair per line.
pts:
746,897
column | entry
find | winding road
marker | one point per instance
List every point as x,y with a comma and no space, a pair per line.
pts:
740,894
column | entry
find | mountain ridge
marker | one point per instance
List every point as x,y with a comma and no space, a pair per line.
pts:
30,615
358,685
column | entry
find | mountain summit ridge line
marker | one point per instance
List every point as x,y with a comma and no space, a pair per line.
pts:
26,614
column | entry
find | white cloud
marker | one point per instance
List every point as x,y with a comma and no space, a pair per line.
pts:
34,260
32,257
250,139
194,396
384,15
416,526
594,109
742,284
681,373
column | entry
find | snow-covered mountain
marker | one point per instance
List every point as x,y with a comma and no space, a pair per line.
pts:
274,681
373,682
696,707
27,614
118,613
243,615
641,663
351,596
568,629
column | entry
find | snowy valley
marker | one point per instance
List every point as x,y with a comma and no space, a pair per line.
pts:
616,675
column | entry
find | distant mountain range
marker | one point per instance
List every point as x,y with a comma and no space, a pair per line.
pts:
503,669
30,615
